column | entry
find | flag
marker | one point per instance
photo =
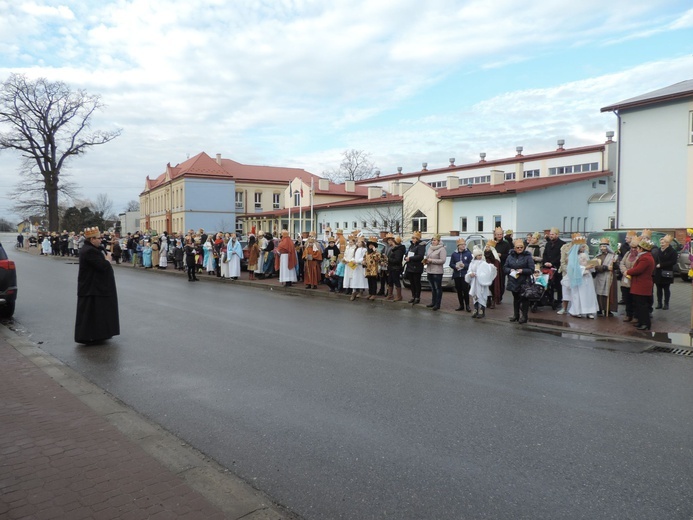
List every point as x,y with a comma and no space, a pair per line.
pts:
301,190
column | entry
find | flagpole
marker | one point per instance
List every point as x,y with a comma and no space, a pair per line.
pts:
300,210
288,205
312,217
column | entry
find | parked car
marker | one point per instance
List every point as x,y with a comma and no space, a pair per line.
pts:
450,244
8,285
683,265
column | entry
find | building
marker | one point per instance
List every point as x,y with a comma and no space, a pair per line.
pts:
655,167
213,194
129,222
572,189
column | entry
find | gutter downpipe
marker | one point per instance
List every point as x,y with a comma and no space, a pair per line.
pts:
618,172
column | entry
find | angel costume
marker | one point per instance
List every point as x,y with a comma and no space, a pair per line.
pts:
583,297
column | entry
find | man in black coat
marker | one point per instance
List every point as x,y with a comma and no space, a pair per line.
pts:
97,298
552,259
503,248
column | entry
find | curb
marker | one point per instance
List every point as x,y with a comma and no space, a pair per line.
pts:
235,497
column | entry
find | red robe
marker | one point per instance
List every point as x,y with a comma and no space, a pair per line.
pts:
285,246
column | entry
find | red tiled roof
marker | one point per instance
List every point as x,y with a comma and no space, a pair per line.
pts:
202,165
337,204
452,170
537,183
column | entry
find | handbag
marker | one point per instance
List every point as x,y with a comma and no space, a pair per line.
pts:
532,291
667,274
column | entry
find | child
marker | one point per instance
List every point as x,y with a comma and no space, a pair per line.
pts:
331,278
339,273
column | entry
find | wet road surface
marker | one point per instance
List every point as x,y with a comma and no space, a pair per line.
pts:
348,410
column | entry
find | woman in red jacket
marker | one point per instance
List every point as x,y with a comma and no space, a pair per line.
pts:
641,283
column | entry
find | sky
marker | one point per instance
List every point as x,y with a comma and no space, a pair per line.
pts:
297,82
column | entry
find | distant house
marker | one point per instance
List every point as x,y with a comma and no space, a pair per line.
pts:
31,225
655,170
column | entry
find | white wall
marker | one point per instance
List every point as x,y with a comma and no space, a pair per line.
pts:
656,184
487,207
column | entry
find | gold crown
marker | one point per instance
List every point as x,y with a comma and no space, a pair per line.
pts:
92,232
578,239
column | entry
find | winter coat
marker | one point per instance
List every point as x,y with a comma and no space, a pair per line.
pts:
522,262
641,281
435,261
666,259
416,255
465,257
552,252
396,257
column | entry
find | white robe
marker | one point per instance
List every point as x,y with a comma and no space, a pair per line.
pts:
348,271
163,254
285,273
46,246
583,298
233,252
209,253
262,244
224,265
480,284
359,280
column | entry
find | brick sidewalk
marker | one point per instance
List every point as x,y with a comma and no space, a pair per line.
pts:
60,459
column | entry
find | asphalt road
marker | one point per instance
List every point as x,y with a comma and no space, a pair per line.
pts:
359,411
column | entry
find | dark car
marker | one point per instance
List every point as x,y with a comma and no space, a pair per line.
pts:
8,285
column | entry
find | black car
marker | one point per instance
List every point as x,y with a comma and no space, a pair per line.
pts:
8,285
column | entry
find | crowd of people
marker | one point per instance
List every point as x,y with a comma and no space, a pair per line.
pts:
536,270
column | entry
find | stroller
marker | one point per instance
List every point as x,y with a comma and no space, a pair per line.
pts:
544,296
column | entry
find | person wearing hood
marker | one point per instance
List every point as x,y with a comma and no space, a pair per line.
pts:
435,262
459,263
359,283
395,259
492,257
46,246
312,257
480,276
519,267
605,279
414,266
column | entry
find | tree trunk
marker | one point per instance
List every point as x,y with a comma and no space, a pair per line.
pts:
53,217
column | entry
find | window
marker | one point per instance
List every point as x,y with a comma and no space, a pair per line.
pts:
375,224
297,198
480,224
530,174
419,222
239,200
496,221
364,225
355,225
346,225
438,184
275,200
463,224
258,200
565,220
509,176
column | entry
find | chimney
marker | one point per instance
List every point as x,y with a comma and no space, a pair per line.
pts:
452,162
219,159
424,166
482,155
374,192
453,182
518,149
610,136
324,184
349,186
497,177
377,173
560,143
399,170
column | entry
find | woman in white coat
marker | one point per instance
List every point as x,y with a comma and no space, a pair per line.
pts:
349,261
208,258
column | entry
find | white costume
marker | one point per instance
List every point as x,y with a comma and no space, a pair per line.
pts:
285,273
348,271
46,246
583,298
163,252
358,280
234,252
209,257
262,245
480,283
223,260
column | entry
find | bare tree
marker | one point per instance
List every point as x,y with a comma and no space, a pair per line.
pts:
104,206
355,165
30,196
133,205
48,124
392,218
